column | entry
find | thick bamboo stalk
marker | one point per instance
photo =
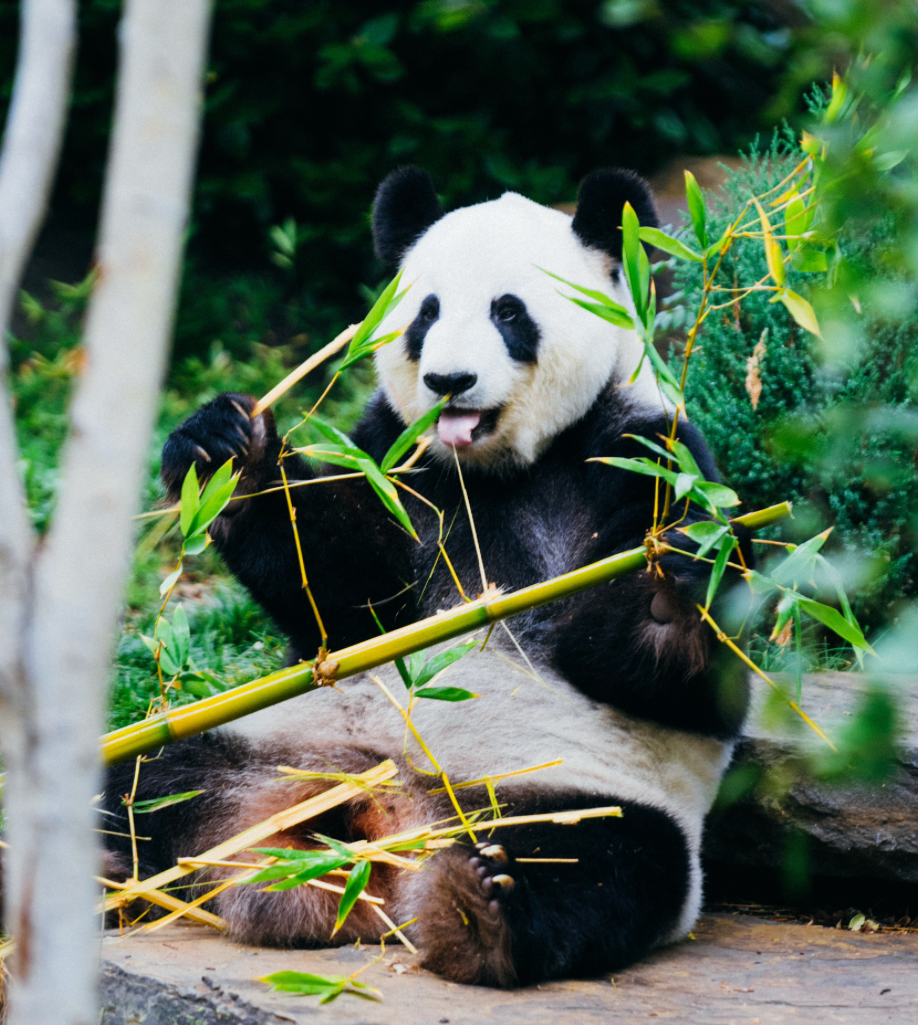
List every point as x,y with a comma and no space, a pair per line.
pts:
167,727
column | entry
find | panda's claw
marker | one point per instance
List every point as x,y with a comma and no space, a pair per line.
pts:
505,882
242,412
495,852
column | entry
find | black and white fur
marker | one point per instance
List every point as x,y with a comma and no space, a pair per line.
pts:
623,682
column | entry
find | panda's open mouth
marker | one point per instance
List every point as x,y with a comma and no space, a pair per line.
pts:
460,428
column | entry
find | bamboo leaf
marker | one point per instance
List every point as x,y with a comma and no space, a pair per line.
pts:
696,206
801,311
190,499
759,583
355,885
799,565
409,437
212,504
706,534
773,255
719,568
618,317
387,494
721,245
632,250
170,580
221,477
684,484
363,343
445,693
320,867
718,495
836,622
158,803
794,219
436,665
687,462
195,545
643,466
668,244
182,634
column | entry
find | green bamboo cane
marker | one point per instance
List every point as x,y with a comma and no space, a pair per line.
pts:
188,720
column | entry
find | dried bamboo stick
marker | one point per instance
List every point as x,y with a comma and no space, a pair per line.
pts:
304,368
282,820
170,903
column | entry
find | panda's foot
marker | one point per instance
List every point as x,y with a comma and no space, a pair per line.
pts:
492,866
463,924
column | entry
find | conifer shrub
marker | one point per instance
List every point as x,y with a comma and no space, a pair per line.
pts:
832,428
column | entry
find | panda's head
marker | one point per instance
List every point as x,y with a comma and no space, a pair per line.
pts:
489,328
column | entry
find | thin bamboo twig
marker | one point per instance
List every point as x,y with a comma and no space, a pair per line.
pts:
335,345
724,639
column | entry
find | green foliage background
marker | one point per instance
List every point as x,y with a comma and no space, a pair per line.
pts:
310,103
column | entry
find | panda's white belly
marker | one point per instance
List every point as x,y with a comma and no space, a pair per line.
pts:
517,722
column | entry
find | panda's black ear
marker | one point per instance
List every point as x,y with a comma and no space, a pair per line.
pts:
600,201
406,205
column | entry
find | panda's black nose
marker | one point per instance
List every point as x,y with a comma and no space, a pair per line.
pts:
450,384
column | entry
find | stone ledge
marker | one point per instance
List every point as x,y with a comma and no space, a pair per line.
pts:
737,970
853,830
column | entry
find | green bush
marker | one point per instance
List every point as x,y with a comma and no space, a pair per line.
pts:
835,433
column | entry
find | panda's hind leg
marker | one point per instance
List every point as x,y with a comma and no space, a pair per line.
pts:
487,917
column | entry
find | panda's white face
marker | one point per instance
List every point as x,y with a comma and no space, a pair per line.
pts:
489,328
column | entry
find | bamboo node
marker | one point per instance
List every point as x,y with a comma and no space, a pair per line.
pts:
325,673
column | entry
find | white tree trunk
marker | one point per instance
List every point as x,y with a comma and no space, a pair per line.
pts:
78,575
31,144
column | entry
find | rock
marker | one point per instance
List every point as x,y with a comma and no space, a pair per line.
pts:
853,829
736,969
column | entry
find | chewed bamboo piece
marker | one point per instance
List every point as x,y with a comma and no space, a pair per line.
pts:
281,820
317,358
170,903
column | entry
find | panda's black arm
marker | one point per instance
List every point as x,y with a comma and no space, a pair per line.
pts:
353,553
638,643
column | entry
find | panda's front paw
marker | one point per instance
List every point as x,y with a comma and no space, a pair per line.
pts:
221,430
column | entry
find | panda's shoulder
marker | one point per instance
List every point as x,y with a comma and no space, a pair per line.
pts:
378,428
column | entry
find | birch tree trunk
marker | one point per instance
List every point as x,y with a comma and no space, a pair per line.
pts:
76,578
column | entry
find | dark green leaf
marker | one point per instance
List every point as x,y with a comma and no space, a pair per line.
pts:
445,693
618,317
437,663
717,494
696,207
190,499
668,244
156,803
706,533
835,621
387,494
355,885
409,437
195,545
719,568
181,634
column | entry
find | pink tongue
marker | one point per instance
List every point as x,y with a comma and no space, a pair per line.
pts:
457,430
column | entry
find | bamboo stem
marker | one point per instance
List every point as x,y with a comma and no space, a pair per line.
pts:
304,368
174,724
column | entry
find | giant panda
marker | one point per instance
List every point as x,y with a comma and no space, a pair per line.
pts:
623,683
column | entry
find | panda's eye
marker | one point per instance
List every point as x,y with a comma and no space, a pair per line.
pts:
506,309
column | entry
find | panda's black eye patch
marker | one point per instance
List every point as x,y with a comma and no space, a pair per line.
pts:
418,328
518,330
